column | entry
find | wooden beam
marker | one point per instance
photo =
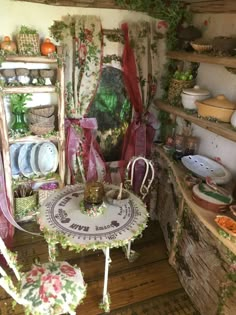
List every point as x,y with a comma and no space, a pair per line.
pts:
211,6
106,4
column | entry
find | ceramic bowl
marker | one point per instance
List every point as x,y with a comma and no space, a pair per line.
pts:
112,195
212,112
209,202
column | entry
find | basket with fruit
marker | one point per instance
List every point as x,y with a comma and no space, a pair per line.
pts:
181,80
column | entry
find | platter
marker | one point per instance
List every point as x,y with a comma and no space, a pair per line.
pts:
24,160
203,167
34,160
14,153
47,158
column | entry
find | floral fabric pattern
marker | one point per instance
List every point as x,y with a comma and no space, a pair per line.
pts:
86,64
52,288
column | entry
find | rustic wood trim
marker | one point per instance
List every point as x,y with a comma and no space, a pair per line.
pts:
31,59
223,129
33,139
206,217
196,57
105,4
6,154
176,232
61,125
29,89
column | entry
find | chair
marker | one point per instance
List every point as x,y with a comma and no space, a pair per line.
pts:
51,288
138,177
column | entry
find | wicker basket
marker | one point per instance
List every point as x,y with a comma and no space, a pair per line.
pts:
24,206
175,90
45,110
34,119
28,44
40,129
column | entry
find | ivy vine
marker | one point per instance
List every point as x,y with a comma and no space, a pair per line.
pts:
173,12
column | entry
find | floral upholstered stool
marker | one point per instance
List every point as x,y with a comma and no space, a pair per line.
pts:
52,288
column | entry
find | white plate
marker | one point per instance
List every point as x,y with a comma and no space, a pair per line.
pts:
206,167
14,153
34,159
47,158
24,159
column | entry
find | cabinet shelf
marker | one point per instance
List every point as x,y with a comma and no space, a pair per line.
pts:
31,59
29,89
33,139
205,216
223,129
196,57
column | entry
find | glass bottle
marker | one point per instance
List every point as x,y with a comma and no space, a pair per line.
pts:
19,124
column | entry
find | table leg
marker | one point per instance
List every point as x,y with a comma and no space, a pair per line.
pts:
105,305
130,254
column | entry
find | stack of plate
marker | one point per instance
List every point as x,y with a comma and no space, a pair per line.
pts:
31,159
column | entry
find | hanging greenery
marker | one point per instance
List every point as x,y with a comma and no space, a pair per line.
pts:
173,12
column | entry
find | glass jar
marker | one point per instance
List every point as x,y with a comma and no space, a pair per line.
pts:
191,146
94,192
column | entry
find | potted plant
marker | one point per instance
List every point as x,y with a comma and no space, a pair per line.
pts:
18,108
28,41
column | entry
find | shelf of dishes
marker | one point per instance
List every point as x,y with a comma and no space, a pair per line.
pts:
202,58
31,160
193,197
223,129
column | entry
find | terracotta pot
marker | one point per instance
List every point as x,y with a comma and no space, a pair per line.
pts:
47,47
8,45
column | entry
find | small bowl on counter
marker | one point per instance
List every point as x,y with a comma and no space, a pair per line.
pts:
112,197
190,96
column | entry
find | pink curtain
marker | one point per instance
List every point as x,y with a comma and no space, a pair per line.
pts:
140,76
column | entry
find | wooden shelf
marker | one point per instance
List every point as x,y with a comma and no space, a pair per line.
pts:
223,129
29,89
206,217
33,139
31,59
196,57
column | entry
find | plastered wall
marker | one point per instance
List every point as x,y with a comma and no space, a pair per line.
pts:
219,81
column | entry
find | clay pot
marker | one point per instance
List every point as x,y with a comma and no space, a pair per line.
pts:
8,45
47,47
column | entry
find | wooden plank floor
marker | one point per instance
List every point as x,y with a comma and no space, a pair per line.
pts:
129,283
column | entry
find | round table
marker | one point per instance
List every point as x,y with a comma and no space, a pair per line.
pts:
63,222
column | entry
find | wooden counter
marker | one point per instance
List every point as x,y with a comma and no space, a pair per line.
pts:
204,259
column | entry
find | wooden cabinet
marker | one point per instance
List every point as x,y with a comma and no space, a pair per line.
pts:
58,138
204,260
